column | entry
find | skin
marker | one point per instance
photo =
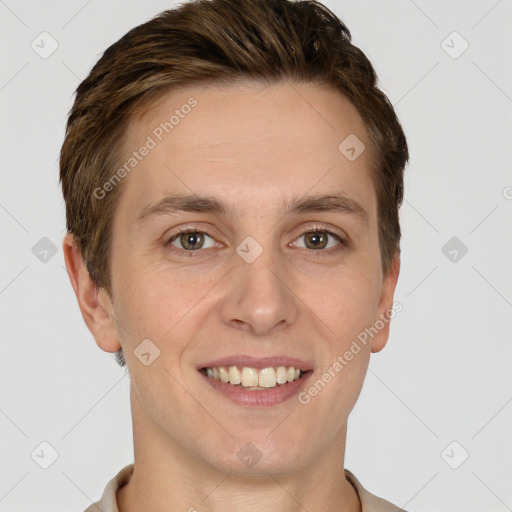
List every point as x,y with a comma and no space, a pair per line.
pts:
253,146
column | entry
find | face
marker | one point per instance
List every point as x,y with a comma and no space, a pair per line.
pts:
269,257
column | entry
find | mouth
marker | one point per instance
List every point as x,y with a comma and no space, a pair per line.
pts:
253,379
256,382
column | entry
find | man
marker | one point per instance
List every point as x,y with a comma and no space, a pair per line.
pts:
232,178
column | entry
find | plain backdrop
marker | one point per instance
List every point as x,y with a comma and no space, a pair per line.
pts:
432,428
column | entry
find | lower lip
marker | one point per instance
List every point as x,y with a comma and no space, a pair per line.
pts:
258,397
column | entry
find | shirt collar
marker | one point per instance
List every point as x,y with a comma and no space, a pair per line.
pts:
369,502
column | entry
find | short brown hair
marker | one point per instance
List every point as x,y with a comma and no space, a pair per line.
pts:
220,41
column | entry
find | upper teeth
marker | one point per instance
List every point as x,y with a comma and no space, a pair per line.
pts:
252,377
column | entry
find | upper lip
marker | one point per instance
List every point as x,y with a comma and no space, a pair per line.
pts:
257,362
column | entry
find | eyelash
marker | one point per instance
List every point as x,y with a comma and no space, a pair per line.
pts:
343,243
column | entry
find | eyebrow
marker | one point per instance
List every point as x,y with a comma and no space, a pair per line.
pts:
174,203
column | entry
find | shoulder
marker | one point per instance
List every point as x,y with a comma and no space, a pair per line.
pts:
370,502
108,501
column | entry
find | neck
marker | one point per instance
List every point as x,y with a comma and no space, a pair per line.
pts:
168,477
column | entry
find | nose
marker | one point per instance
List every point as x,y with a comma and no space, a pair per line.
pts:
259,297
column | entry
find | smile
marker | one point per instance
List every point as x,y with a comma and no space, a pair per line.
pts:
253,378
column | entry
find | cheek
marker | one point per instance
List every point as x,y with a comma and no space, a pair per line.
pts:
348,309
158,301
347,304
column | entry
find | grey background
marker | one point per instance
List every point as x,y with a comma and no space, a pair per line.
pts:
445,373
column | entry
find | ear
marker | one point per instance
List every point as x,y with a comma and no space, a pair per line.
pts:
385,307
95,303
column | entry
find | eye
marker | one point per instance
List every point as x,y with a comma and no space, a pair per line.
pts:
318,239
190,241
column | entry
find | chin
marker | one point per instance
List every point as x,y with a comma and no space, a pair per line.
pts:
260,457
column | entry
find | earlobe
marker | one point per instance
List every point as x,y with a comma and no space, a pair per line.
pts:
94,303
385,308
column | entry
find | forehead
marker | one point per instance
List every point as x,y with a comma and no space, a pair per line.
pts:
248,112
246,140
